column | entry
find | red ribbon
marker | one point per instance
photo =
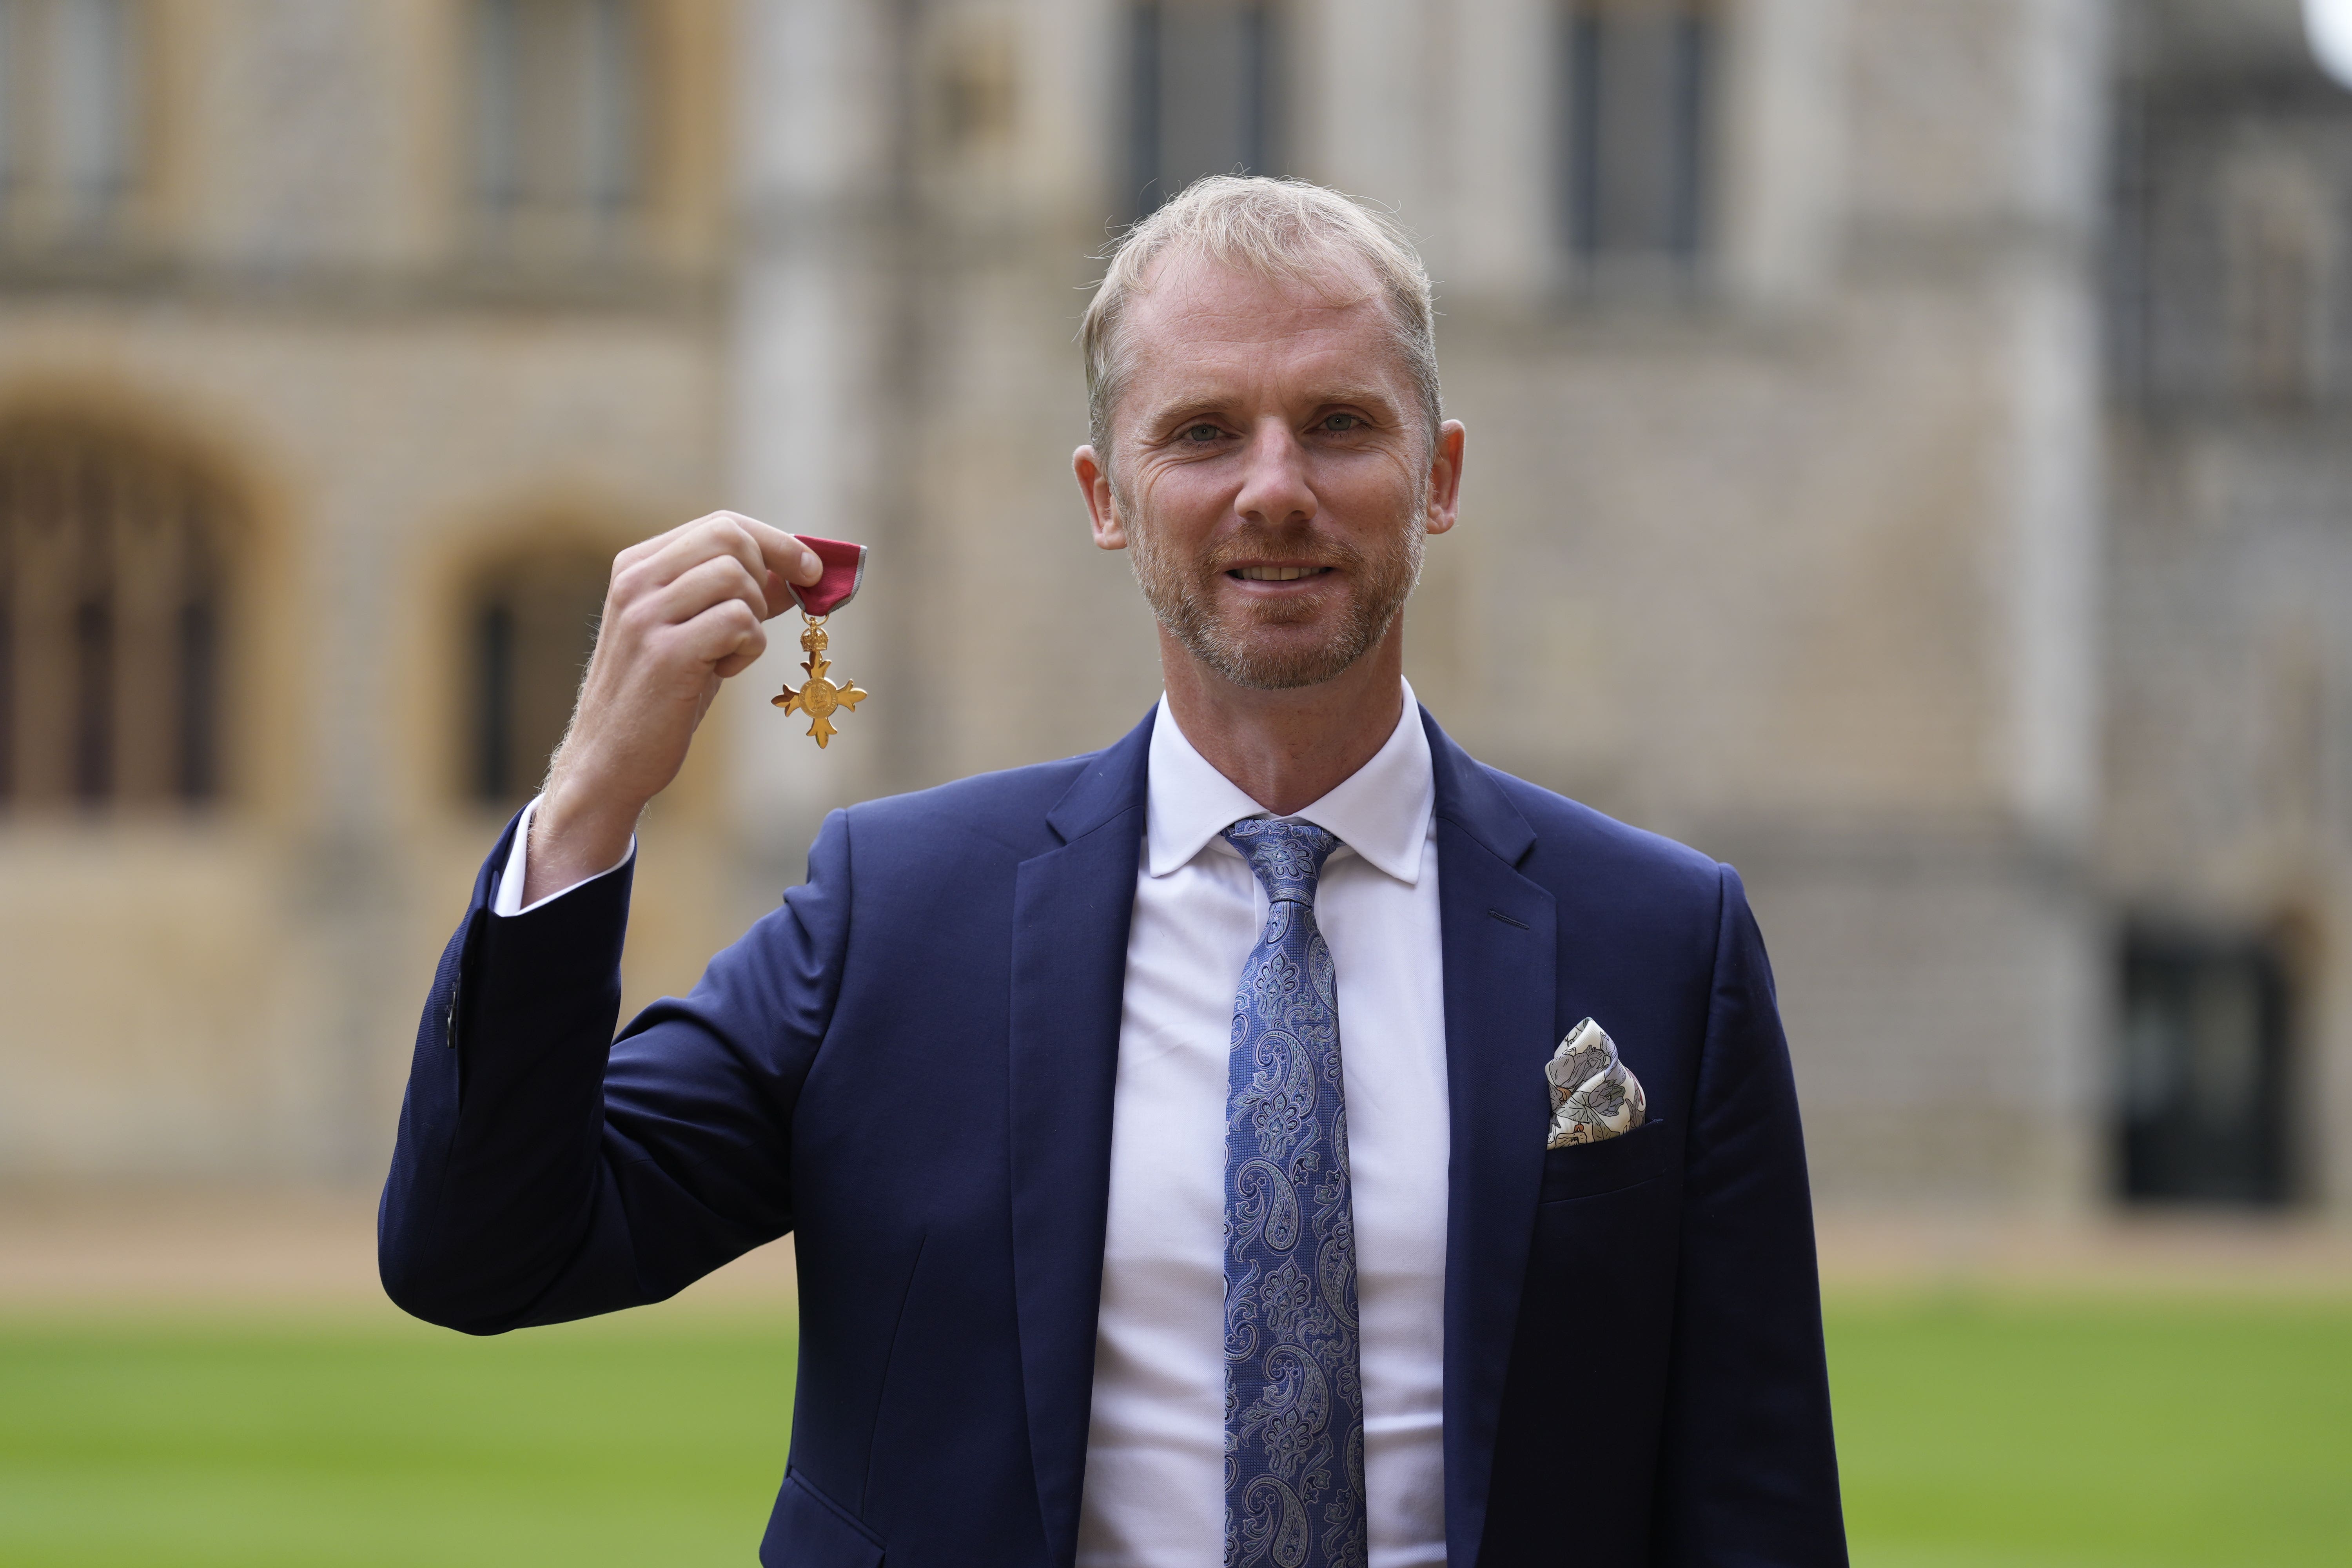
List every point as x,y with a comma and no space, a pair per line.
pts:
844,571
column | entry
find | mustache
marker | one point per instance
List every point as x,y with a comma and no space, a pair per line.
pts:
1286,546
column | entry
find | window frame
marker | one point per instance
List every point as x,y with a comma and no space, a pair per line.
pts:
1263,141
566,215
139,578
1689,192
47,211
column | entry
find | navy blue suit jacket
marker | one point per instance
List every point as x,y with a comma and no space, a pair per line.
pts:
909,1065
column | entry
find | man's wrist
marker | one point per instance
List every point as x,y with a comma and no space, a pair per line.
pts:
575,834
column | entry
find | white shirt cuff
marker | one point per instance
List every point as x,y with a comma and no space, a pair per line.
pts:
509,901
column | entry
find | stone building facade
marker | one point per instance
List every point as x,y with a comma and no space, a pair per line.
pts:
2227,811
1836,502
342,270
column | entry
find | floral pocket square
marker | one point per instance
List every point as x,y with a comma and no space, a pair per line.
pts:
1593,1095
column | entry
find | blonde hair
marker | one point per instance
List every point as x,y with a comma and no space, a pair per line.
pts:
1285,229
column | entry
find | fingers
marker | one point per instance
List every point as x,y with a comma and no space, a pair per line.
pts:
694,598
681,550
719,581
728,637
761,549
786,556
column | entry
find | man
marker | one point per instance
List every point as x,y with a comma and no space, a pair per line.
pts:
1276,1139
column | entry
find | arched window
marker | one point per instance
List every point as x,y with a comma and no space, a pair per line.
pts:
110,619
531,625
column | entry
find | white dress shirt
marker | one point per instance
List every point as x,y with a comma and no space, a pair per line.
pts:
1155,1488
1154,1493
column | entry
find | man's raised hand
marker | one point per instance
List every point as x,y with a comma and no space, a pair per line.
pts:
684,610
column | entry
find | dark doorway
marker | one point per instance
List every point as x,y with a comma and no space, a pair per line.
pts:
2204,1072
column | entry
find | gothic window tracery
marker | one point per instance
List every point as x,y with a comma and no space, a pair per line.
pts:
112,576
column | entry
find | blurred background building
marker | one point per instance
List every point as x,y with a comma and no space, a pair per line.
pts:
1907,461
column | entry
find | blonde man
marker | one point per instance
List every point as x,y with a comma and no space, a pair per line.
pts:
1276,1139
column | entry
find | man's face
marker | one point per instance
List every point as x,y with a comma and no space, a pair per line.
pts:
1272,469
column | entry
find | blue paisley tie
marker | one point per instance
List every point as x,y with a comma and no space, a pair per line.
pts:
1294,1391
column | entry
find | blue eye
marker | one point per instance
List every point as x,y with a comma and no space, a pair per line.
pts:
1203,432
1339,424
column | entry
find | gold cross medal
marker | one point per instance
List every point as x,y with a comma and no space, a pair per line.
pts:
820,696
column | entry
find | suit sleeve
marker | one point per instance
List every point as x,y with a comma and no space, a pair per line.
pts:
546,1170
1749,1471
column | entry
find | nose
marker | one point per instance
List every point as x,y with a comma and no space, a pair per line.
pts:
1275,489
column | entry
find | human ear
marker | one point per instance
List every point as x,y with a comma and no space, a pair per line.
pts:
1445,477
1102,505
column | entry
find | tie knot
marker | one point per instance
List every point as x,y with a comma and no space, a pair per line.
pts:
1286,855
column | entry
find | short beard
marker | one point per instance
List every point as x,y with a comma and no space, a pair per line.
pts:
1180,593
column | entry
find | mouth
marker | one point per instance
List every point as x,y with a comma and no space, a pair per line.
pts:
1277,574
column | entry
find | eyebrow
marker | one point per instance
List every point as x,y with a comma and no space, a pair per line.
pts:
1365,395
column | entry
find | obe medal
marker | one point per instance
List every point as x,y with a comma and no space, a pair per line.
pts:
820,697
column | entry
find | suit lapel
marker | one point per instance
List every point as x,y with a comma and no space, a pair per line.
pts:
1500,950
1072,907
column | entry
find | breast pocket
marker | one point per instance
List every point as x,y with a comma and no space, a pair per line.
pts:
1589,1170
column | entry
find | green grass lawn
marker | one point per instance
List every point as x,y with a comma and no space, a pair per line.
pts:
2183,1434
2024,1434
374,1440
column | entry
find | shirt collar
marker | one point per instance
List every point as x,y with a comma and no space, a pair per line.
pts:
1381,811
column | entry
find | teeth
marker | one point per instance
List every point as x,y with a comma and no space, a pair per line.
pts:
1277,574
